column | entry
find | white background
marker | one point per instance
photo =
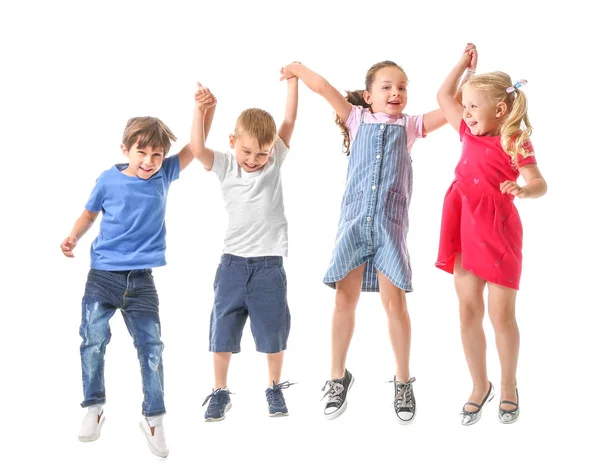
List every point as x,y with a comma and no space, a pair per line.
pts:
73,73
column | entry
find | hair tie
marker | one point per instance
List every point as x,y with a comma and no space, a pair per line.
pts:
518,85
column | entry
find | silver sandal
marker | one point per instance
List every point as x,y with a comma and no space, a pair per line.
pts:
471,417
509,416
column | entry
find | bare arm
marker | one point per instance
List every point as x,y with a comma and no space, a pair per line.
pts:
469,73
82,225
318,84
186,156
433,120
535,185
449,97
205,100
209,115
291,110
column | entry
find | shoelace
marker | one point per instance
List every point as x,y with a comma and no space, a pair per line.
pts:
334,391
404,396
212,396
275,393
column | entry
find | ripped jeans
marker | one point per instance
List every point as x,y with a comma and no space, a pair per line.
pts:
134,293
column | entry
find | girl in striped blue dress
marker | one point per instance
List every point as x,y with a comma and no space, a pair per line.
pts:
370,251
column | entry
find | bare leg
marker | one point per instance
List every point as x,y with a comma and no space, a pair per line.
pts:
501,306
469,289
394,303
221,363
347,292
275,363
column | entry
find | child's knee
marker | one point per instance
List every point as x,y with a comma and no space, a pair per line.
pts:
396,308
504,321
95,335
393,298
472,311
345,301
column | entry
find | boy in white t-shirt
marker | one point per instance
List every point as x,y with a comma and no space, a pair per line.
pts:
250,280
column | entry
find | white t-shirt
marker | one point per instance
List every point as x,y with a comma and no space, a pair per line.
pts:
254,202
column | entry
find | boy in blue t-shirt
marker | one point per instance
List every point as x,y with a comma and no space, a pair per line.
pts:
132,198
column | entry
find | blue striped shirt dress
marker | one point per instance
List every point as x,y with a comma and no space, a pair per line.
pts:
373,224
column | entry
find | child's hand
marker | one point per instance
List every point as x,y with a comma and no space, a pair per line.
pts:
204,98
472,50
285,72
511,187
68,245
469,57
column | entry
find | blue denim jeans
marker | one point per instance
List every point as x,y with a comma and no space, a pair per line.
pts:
134,293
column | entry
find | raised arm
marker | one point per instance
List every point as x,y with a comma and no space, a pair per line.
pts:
82,225
433,120
205,101
449,96
318,84
291,109
185,155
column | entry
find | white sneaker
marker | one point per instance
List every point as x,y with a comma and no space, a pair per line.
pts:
156,439
91,425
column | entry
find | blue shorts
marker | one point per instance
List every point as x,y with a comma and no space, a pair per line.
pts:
255,288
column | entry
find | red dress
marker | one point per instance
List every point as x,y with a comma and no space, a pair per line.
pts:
479,221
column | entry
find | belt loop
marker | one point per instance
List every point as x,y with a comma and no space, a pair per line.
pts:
226,260
268,261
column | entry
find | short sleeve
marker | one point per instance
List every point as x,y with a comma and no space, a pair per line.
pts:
280,151
463,129
353,121
220,164
94,203
171,167
530,158
414,129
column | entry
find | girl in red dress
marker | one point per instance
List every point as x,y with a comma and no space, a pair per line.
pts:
481,234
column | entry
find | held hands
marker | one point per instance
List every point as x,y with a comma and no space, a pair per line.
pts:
285,72
204,98
469,56
511,187
68,245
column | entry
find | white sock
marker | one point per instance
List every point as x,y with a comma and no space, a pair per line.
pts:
96,409
155,421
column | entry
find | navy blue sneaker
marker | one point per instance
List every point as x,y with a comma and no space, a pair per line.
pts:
275,399
220,403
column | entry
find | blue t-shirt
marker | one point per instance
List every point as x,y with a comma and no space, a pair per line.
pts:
132,232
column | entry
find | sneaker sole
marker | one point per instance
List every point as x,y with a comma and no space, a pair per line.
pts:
96,436
155,451
406,422
278,414
218,419
342,409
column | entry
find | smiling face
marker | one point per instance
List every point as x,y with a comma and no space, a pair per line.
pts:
480,113
387,93
143,162
250,156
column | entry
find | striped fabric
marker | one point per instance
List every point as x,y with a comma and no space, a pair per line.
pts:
374,217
